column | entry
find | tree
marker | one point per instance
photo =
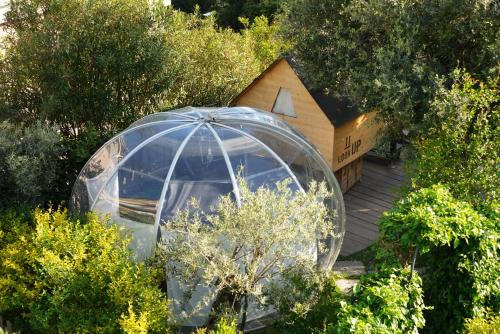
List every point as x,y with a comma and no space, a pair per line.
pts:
386,55
238,251
60,275
82,63
461,148
212,65
265,38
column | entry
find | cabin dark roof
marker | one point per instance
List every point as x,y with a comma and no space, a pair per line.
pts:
338,109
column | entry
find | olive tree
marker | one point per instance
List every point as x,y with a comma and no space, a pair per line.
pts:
82,63
386,55
28,160
238,251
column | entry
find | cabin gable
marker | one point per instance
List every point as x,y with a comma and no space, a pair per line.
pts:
264,93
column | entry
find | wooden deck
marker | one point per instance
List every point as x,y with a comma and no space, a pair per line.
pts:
366,201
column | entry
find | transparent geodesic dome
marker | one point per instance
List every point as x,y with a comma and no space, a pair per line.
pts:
145,174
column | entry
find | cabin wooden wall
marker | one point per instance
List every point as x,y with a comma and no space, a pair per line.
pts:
354,138
310,120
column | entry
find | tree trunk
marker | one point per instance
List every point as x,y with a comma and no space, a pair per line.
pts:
244,309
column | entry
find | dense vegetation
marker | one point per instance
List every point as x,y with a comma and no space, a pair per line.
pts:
68,65
74,72
392,55
66,276
456,244
227,13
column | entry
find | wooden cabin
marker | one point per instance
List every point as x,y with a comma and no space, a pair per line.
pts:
334,125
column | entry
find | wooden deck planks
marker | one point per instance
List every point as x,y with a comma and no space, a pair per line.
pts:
366,201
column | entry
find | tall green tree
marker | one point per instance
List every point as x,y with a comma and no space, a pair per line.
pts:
461,147
82,63
386,54
212,65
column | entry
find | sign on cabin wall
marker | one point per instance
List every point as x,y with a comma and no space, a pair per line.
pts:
354,139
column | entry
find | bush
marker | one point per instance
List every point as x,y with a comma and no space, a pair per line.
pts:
28,160
70,276
382,303
458,247
489,325
80,63
224,326
461,148
212,65
243,249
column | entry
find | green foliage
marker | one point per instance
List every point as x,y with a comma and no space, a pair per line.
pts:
383,303
28,160
386,55
387,302
490,325
266,39
228,12
68,276
306,304
461,148
80,62
459,249
241,250
223,326
90,68
212,65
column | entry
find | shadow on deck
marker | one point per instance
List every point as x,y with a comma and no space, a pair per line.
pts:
365,202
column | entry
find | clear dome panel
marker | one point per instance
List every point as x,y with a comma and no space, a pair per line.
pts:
109,203
252,115
306,165
255,163
104,162
290,151
143,176
132,194
178,115
199,170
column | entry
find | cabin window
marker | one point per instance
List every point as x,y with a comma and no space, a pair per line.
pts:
283,104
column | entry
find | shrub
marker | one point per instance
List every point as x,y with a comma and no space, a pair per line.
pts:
461,148
70,276
212,65
386,302
240,249
490,325
224,326
383,303
458,247
81,63
28,160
